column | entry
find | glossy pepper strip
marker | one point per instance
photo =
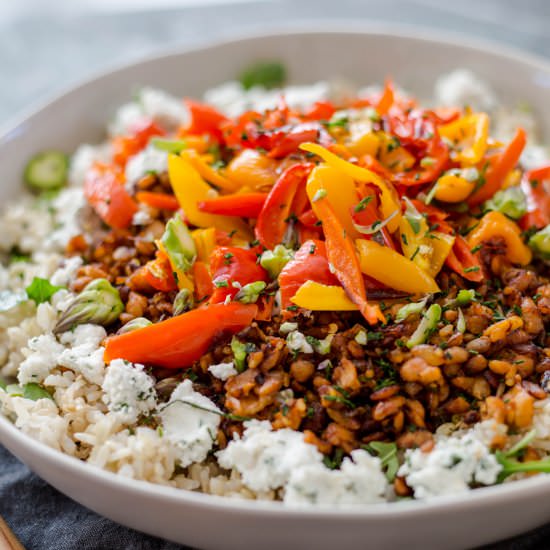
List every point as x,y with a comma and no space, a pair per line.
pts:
392,269
495,224
342,257
536,187
246,205
463,261
499,168
233,268
204,119
105,192
273,220
389,198
469,136
141,132
180,341
190,188
386,99
309,264
163,201
319,297
158,273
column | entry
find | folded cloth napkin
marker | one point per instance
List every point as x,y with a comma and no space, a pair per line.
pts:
44,519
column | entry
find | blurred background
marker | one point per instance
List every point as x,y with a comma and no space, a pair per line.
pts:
47,45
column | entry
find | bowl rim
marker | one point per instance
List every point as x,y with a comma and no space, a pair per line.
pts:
409,508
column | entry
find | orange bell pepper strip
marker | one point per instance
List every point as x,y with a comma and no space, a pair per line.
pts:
273,220
105,192
309,264
246,205
180,341
202,280
162,201
125,147
158,273
462,261
265,308
495,224
253,169
208,173
386,99
342,256
204,119
321,110
499,168
536,187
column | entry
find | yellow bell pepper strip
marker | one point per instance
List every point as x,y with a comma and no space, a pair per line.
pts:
190,188
499,167
393,156
428,249
364,144
495,224
468,136
453,186
180,341
392,269
342,257
319,297
252,169
208,173
340,192
389,199
273,221
205,242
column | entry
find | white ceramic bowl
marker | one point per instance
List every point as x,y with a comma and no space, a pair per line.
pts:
414,59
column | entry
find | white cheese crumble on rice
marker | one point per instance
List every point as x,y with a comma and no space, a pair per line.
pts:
190,422
359,481
129,391
150,160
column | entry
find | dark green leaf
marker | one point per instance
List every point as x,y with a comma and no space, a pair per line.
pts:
269,74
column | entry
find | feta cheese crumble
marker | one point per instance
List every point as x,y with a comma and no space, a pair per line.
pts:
40,358
267,458
149,160
359,481
450,467
223,370
129,391
190,422
462,87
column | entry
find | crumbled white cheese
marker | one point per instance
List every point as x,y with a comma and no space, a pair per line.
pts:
223,370
65,207
287,327
462,87
149,160
41,357
83,159
142,216
535,156
296,341
450,467
84,355
128,390
165,109
190,421
67,271
267,458
359,481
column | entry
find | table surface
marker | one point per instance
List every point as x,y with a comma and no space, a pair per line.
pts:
47,46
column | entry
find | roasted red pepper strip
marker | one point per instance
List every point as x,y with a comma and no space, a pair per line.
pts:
285,142
321,110
535,184
162,201
204,119
158,273
105,192
246,205
139,135
309,219
499,168
202,280
273,219
230,264
309,264
342,256
180,341
464,262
